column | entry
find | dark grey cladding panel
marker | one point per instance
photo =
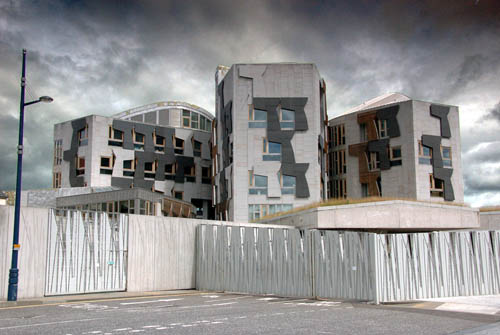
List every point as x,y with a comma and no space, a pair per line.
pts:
126,128
441,112
122,182
223,187
389,114
321,146
182,162
70,155
147,131
445,176
297,105
434,142
381,147
168,133
204,138
298,170
228,117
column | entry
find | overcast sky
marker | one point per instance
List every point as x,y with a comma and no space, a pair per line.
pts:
103,57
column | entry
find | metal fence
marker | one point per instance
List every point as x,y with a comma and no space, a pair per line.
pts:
86,252
347,265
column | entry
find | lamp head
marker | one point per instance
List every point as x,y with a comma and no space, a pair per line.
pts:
46,99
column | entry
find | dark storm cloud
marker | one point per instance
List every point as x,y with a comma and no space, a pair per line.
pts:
493,113
102,57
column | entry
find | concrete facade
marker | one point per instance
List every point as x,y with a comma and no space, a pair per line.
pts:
269,139
162,147
490,220
396,215
396,147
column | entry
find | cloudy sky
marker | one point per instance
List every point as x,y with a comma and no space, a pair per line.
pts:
102,57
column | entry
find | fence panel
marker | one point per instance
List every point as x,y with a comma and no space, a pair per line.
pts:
87,252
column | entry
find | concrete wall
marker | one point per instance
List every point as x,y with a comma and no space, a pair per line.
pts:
162,252
32,254
489,220
387,215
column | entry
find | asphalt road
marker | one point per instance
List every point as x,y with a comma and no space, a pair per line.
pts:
202,313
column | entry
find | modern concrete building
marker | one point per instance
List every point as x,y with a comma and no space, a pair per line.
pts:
269,139
162,147
394,146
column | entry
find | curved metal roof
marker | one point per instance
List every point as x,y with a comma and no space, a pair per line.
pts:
160,106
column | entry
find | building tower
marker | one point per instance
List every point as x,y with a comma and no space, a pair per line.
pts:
269,139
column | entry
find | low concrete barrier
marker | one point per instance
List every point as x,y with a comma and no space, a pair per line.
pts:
386,215
490,220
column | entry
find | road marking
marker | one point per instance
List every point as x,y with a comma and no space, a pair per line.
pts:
267,299
102,300
216,322
49,323
240,317
121,329
149,302
210,301
136,331
161,328
155,326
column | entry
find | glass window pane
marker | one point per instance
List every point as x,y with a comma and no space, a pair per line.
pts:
426,151
105,161
117,135
287,115
446,153
288,181
260,181
203,122
396,152
185,122
274,148
259,115
185,113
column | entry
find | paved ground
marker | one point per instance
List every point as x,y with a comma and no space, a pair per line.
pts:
194,312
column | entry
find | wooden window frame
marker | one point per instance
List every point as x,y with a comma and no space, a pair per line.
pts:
447,159
192,171
178,192
265,147
382,127
391,153
372,159
421,150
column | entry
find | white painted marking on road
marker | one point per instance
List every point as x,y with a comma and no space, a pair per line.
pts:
137,331
210,296
121,329
49,323
240,317
236,298
149,301
220,319
154,326
161,328
176,324
94,332
267,299
187,325
216,322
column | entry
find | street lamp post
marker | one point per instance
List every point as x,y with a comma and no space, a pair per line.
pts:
14,271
